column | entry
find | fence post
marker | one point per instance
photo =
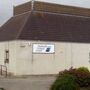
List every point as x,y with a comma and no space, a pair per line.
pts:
6,71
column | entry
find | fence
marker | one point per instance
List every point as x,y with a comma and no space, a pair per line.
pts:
3,70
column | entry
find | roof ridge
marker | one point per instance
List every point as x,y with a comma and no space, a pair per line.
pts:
21,14
65,14
22,27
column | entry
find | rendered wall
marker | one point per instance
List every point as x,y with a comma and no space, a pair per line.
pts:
29,63
22,61
66,55
11,66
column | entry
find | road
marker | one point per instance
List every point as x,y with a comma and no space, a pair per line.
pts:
30,83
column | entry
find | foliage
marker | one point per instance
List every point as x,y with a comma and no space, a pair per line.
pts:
82,75
65,82
83,69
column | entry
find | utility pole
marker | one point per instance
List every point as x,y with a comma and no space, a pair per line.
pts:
32,4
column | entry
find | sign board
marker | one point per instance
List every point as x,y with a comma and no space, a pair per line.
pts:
43,48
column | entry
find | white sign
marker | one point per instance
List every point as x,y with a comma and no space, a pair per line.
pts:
43,48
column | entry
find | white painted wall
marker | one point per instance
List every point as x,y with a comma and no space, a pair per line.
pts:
80,55
24,62
65,56
38,63
11,66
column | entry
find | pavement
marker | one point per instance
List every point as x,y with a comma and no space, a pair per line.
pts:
27,83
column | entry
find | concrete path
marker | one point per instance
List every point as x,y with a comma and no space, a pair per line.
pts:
30,83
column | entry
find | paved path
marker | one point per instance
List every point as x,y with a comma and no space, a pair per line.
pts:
30,83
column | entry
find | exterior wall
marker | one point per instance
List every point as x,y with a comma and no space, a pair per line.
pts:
2,51
30,63
12,57
66,55
22,61
81,55
11,66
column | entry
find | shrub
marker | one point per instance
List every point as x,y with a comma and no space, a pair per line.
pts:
82,75
65,82
83,69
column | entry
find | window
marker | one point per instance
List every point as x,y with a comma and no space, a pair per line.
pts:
6,56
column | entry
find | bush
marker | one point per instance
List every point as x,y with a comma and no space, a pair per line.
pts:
65,82
83,69
82,75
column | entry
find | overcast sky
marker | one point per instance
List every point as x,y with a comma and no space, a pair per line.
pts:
6,6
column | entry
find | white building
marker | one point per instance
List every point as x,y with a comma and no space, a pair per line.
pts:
45,39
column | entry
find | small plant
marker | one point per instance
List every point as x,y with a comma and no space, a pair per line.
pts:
65,82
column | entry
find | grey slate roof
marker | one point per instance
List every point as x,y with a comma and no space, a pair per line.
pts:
11,29
50,7
47,26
